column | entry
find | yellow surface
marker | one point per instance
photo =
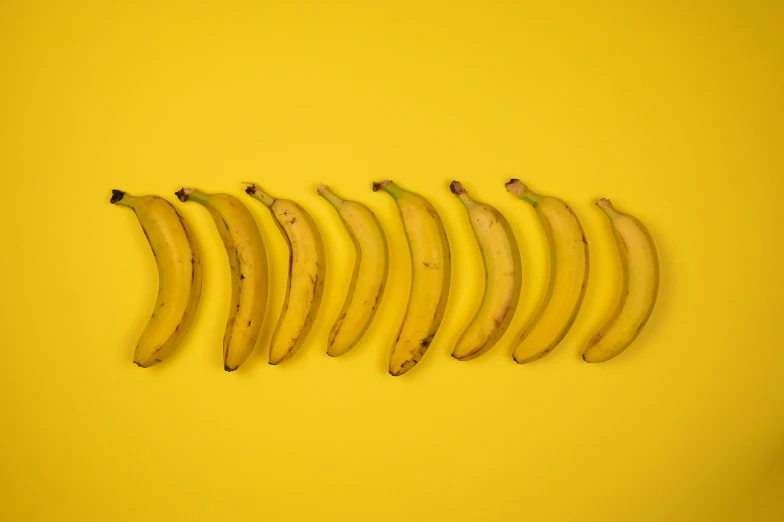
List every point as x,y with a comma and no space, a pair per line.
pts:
674,111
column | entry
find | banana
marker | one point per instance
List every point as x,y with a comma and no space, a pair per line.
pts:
640,265
248,263
503,277
430,274
307,267
178,258
369,277
568,275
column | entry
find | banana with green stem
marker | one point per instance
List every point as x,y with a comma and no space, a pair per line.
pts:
430,276
567,275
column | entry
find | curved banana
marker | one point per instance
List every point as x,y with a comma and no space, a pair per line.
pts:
307,267
178,258
567,280
503,277
430,274
640,286
248,263
369,277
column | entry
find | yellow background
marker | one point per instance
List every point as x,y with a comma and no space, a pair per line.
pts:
674,111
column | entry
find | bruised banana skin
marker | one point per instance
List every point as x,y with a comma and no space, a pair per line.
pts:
179,264
430,276
248,264
503,277
369,279
568,275
307,269
640,265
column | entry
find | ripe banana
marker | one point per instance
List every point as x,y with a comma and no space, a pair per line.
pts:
640,286
307,267
178,258
369,277
568,275
430,273
503,277
248,262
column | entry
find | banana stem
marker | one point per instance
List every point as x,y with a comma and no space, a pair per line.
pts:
607,206
192,194
122,199
255,192
457,189
518,188
530,197
326,193
389,187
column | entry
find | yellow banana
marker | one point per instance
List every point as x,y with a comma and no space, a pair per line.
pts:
430,273
640,287
179,275
568,275
248,263
369,277
503,277
307,267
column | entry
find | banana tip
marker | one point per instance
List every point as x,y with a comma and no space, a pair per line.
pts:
251,187
228,368
457,188
378,185
604,203
117,195
184,193
321,188
515,186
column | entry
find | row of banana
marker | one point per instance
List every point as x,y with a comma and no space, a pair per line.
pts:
180,275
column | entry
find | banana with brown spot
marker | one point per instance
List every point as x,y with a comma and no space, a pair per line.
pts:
430,276
248,264
178,259
307,269
503,277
